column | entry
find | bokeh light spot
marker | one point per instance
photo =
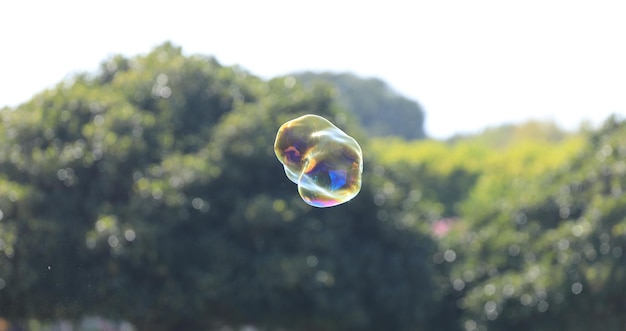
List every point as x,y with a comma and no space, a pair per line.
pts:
449,255
458,284
311,261
113,241
129,235
289,82
542,306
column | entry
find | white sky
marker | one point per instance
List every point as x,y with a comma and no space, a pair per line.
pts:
471,64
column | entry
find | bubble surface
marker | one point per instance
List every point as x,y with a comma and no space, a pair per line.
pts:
324,161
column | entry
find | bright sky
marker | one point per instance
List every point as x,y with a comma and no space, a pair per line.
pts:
471,64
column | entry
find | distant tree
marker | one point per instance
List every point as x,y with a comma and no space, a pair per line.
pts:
380,110
547,253
503,136
150,192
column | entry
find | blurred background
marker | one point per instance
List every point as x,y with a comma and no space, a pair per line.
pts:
139,188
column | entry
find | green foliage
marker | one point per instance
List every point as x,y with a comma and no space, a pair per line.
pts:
509,134
380,110
448,173
150,192
547,252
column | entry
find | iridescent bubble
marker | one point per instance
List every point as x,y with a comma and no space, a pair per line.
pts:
324,161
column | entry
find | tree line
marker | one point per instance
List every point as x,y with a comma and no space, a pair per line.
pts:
149,192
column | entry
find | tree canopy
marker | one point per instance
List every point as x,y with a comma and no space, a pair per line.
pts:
381,111
547,253
149,192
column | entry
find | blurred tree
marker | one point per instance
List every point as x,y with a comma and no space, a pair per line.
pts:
546,253
510,134
150,192
448,180
448,173
380,110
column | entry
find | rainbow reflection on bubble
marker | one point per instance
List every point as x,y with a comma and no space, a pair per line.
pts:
324,161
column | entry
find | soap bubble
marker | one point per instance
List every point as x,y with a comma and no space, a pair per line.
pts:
324,161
